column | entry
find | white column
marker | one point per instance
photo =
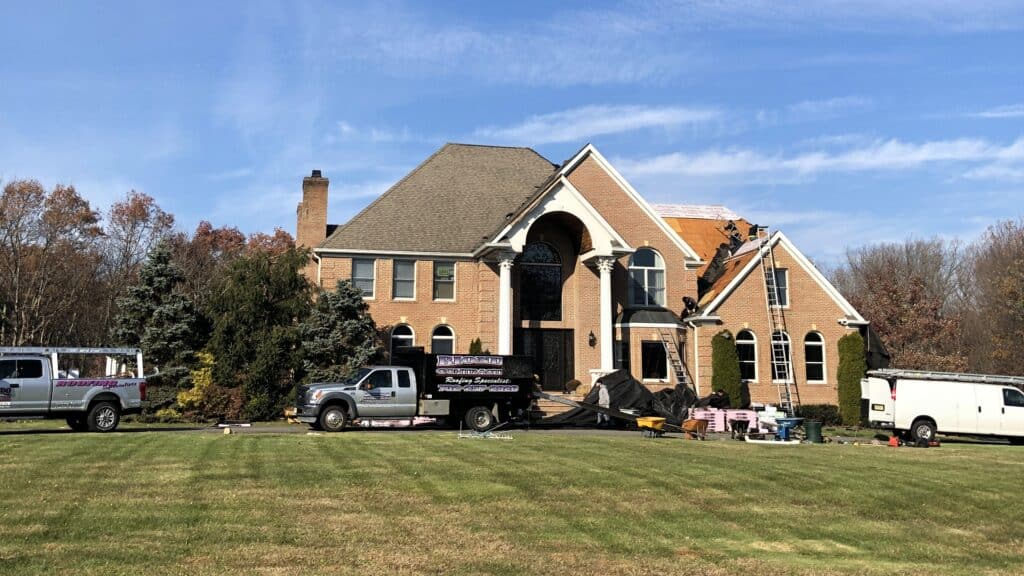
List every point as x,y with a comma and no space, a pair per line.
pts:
505,304
605,266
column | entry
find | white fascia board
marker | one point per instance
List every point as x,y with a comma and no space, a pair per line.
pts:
356,252
731,286
590,217
589,149
702,319
819,278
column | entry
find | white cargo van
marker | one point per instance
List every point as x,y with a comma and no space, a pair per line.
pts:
926,403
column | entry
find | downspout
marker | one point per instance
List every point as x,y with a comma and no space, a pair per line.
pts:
316,258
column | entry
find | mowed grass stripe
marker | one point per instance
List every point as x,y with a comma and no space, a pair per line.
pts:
429,503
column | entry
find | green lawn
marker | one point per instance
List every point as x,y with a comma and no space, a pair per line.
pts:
429,503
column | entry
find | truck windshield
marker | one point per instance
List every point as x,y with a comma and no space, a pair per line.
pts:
355,378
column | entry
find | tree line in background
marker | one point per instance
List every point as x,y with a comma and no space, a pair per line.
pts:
226,320
943,304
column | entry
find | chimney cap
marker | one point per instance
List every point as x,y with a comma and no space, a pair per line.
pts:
316,174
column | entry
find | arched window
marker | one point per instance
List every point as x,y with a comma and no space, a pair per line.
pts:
646,278
814,357
540,280
442,341
746,348
402,335
782,358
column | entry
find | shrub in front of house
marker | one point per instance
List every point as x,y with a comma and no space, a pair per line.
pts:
827,414
852,366
725,363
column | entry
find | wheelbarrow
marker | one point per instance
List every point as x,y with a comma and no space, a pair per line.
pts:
651,426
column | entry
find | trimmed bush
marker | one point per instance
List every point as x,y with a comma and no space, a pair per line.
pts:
827,414
852,366
476,346
725,366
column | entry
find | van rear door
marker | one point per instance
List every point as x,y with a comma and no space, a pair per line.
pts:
881,405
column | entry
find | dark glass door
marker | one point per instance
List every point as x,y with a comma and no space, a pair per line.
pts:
552,352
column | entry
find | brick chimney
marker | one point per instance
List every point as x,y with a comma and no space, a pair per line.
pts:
311,225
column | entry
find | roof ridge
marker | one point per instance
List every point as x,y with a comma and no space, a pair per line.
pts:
389,190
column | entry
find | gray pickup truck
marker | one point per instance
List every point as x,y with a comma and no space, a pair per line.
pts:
47,383
479,391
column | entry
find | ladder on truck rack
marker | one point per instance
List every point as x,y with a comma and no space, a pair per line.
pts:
782,346
675,358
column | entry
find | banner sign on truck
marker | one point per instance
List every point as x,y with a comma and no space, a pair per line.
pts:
473,374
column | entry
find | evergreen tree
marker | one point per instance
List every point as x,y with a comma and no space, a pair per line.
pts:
256,306
338,336
852,366
155,316
725,374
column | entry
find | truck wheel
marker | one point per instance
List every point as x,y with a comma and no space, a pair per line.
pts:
479,418
77,423
103,417
333,418
922,430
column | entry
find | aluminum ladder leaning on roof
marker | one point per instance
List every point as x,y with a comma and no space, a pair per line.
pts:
782,347
672,347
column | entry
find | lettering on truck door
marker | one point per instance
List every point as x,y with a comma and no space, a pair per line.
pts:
377,394
1013,412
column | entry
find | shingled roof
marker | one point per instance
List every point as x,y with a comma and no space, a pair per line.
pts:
448,203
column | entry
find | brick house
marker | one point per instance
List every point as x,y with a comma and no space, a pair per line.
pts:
569,264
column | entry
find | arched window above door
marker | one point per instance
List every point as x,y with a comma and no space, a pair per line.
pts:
540,282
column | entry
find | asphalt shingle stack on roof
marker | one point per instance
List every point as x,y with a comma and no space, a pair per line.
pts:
448,203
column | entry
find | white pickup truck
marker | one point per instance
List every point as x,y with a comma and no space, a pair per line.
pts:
47,383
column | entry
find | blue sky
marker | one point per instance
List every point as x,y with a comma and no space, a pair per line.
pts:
841,123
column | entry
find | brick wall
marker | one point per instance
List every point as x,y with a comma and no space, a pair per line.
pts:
810,309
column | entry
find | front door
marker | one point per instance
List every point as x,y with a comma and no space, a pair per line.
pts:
1013,412
24,386
552,352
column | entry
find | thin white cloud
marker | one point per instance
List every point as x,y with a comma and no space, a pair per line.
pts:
580,124
997,171
829,107
881,155
1001,112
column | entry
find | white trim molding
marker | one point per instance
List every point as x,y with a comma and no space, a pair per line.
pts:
591,150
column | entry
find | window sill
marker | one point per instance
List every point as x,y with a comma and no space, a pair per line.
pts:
444,300
817,382
403,299
656,380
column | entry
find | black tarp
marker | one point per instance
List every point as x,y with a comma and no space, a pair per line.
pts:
625,393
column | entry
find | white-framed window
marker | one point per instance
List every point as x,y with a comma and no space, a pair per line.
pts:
364,275
444,280
782,358
778,284
402,335
814,357
654,361
746,349
403,282
646,278
442,341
